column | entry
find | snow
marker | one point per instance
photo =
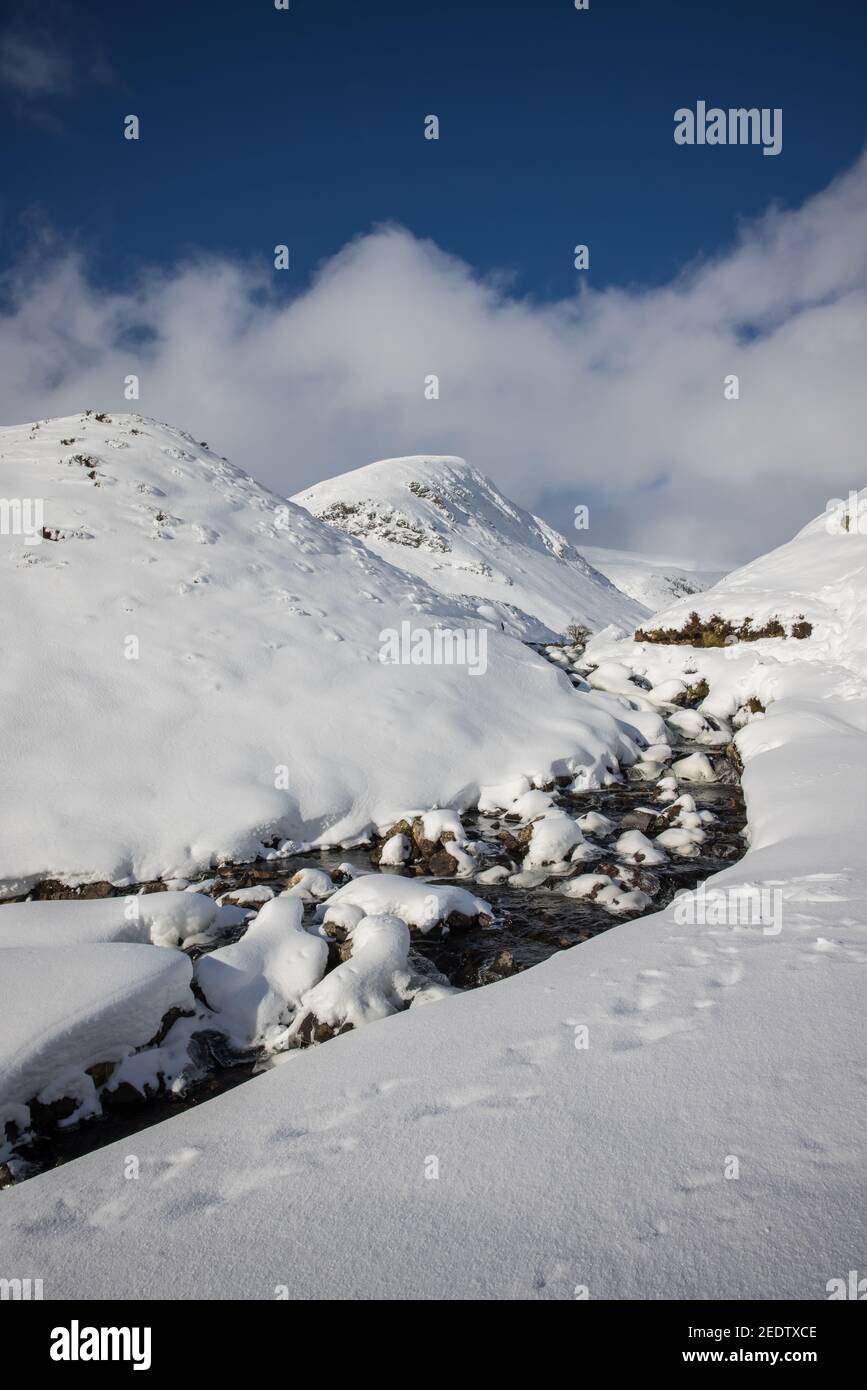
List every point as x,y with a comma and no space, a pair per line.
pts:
450,525
198,669
65,1008
420,905
256,984
696,768
395,851
554,838
635,848
650,582
369,986
582,1115
165,919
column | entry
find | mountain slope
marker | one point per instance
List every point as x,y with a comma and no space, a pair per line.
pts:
652,583
442,520
192,669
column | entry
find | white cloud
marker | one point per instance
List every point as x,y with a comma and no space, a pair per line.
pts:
32,65
614,397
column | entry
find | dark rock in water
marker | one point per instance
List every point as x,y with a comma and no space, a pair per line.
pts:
639,820
456,921
100,1072
441,864
50,889
501,967
401,827
49,1116
6,1178
121,1096
313,1031
648,883
724,771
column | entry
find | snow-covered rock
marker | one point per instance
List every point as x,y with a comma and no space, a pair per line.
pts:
421,905
370,985
255,985
63,1009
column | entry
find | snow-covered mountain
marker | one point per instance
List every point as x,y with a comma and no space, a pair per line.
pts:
192,667
447,523
652,583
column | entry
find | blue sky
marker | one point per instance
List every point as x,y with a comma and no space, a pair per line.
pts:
453,257
305,126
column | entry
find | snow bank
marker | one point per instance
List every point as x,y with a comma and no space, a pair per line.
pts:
165,919
62,1010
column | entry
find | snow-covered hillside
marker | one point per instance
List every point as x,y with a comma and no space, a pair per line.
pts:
818,578
440,519
650,582
192,668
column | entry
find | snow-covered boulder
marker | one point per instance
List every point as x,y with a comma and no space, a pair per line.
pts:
63,1009
255,985
422,906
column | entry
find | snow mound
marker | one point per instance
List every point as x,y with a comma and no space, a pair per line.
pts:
369,986
255,985
421,905
447,523
164,919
